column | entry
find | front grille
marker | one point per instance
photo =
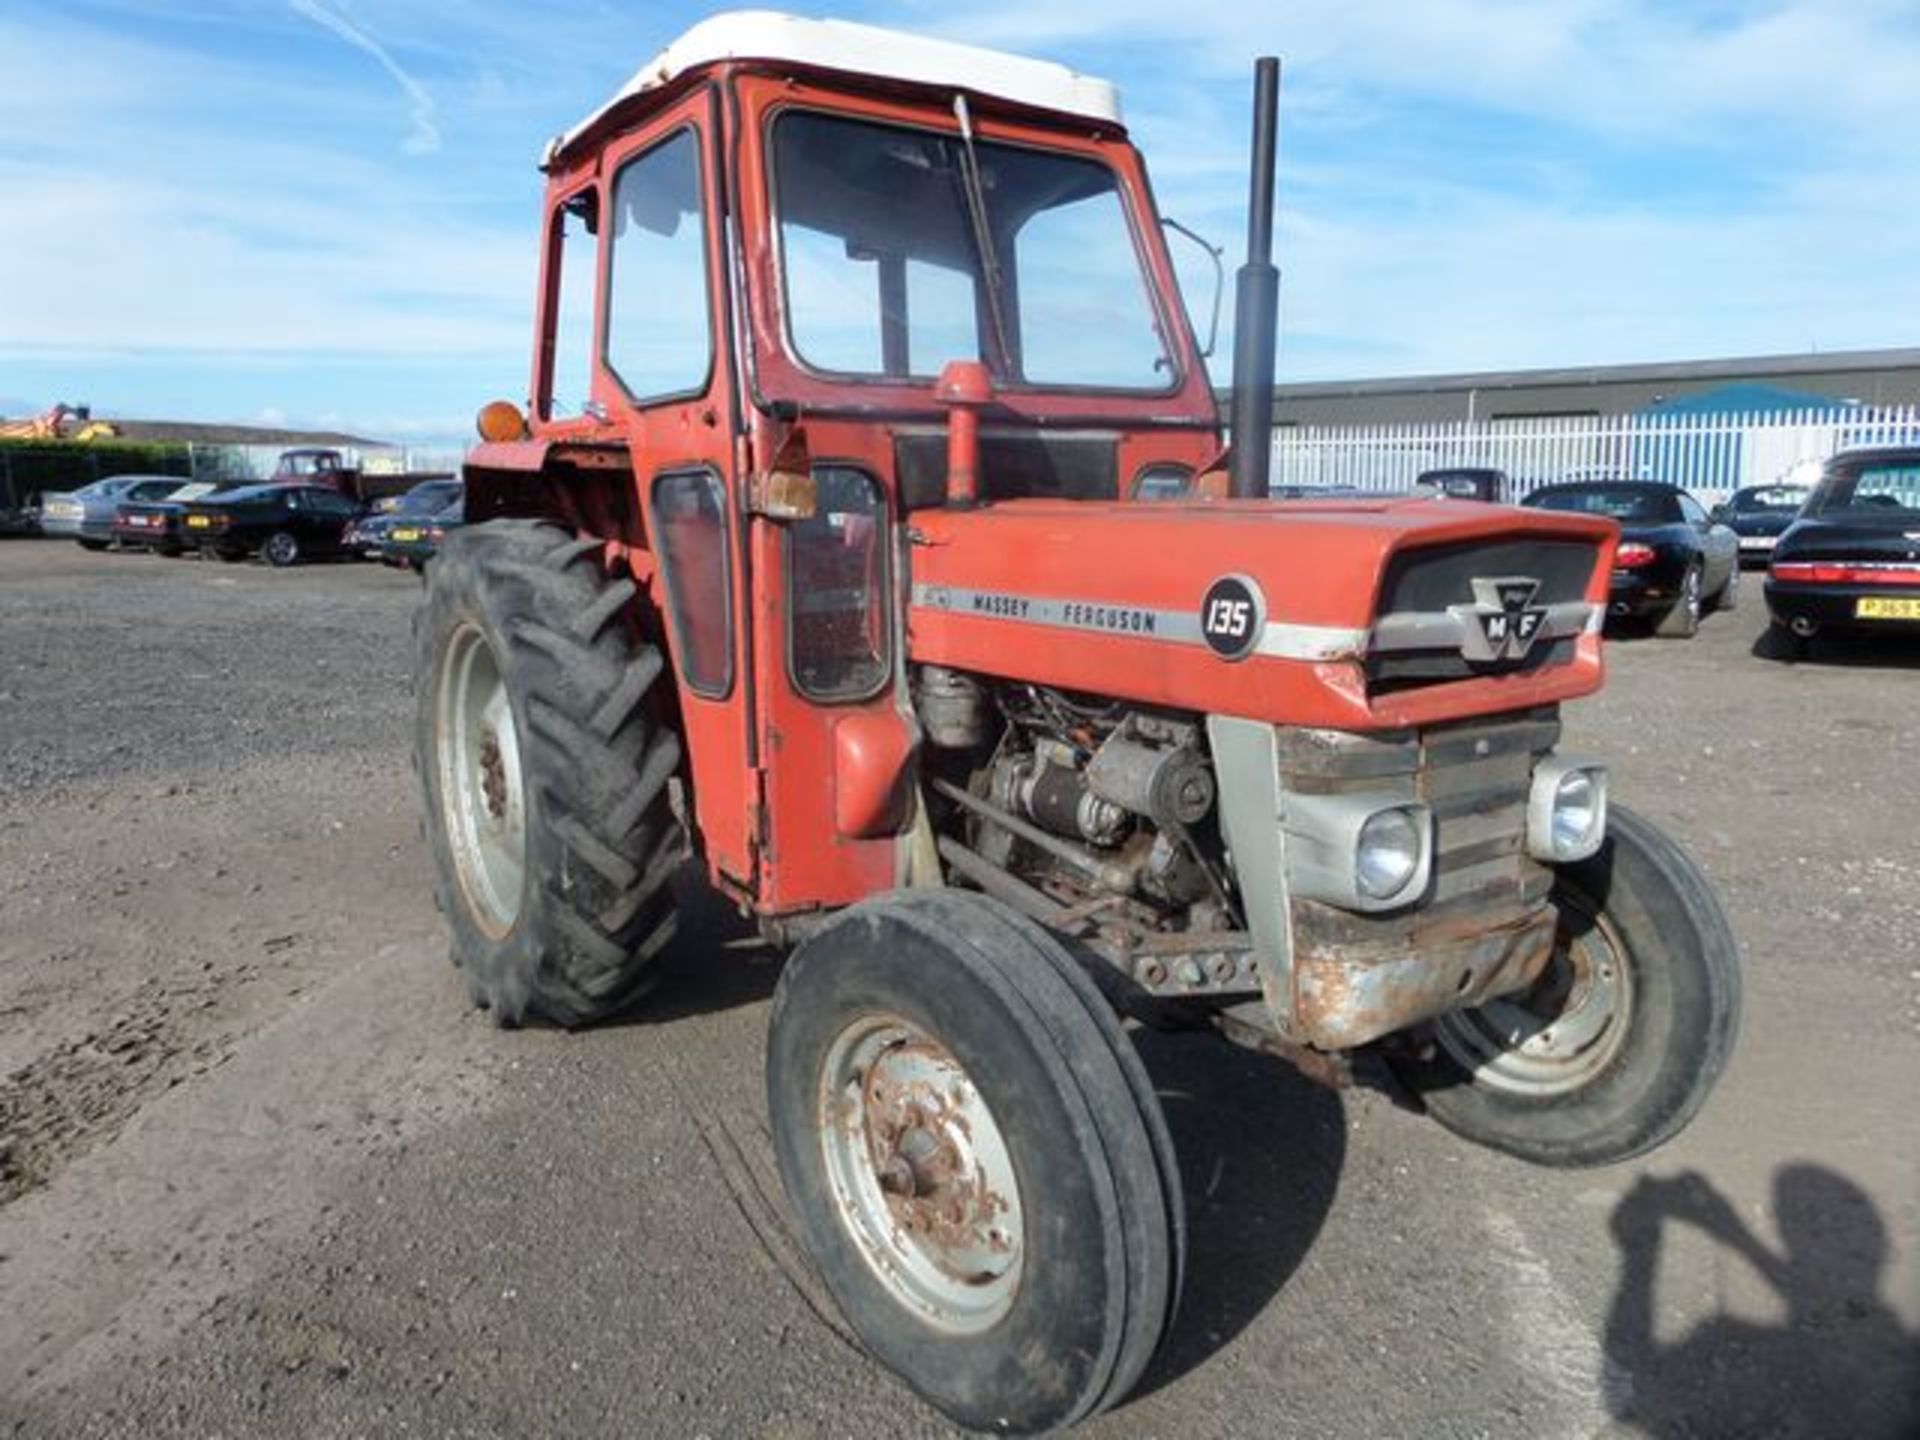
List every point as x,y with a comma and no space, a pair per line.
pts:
1433,578
1483,927
1421,636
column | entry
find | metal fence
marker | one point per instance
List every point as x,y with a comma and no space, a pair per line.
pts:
1711,455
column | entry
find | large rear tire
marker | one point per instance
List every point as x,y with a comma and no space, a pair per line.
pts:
544,769
976,1159
1618,1047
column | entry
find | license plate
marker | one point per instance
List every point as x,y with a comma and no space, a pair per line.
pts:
198,522
406,534
1876,607
1763,542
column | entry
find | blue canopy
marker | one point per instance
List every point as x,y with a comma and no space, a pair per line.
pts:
1747,397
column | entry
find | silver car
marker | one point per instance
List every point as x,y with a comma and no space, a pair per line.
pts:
86,514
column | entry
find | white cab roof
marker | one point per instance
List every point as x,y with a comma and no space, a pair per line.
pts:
865,50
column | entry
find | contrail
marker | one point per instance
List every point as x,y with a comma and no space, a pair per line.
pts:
425,137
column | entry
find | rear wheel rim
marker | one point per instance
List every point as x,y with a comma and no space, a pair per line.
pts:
1690,594
282,549
1561,1033
480,782
920,1174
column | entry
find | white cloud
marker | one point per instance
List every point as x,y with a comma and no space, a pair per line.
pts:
425,135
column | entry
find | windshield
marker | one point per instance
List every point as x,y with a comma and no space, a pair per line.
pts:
1871,490
1629,504
428,499
1772,500
882,269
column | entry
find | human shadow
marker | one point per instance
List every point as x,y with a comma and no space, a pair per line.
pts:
1260,1151
1840,1365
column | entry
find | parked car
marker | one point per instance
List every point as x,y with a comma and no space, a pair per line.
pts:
155,524
1675,562
413,542
285,523
1851,561
1760,515
86,514
1467,482
367,535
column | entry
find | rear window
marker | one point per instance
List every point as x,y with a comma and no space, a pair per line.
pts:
428,499
1772,499
1874,490
1628,506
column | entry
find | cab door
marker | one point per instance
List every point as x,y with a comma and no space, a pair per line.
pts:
664,379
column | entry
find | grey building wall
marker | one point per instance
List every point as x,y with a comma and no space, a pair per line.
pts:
1877,377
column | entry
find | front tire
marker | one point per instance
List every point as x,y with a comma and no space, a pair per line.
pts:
544,767
1681,620
976,1159
282,549
1727,598
1619,1045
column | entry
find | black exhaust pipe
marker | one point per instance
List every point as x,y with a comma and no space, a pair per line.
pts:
1256,305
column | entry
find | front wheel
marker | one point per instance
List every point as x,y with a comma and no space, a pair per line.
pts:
1619,1044
282,549
976,1158
1728,597
1681,620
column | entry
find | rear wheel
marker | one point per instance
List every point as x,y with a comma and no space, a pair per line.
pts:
1617,1047
282,549
1681,620
93,544
545,774
976,1159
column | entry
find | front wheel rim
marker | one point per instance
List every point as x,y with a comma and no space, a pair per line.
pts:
920,1175
281,549
481,790
1562,1032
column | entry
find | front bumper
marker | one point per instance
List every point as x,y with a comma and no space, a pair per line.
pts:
1483,925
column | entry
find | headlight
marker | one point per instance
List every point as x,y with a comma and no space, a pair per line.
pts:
1387,855
1357,851
1567,810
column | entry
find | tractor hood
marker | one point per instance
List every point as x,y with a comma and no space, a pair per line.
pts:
1358,615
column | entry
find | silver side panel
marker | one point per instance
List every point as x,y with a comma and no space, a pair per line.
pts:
1246,763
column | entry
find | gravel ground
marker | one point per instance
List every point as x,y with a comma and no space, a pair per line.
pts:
262,1170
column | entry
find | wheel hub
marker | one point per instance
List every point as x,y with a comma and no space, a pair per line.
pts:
481,796
1559,1035
921,1175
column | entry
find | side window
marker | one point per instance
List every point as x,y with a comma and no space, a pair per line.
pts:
690,527
1691,512
570,322
837,624
659,332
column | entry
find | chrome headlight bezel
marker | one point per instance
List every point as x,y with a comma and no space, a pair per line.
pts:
1548,804
1325,839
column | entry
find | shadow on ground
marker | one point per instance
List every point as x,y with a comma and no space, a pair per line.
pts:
1840,1364
1260,1155
1840,651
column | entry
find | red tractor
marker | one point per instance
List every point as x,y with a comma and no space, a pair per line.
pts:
870,542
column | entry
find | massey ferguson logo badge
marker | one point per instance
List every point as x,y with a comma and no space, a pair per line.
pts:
1233,616
1503,622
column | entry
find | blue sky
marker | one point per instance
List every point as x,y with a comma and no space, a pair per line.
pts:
323,211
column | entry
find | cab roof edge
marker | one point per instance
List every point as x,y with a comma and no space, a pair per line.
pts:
858,49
